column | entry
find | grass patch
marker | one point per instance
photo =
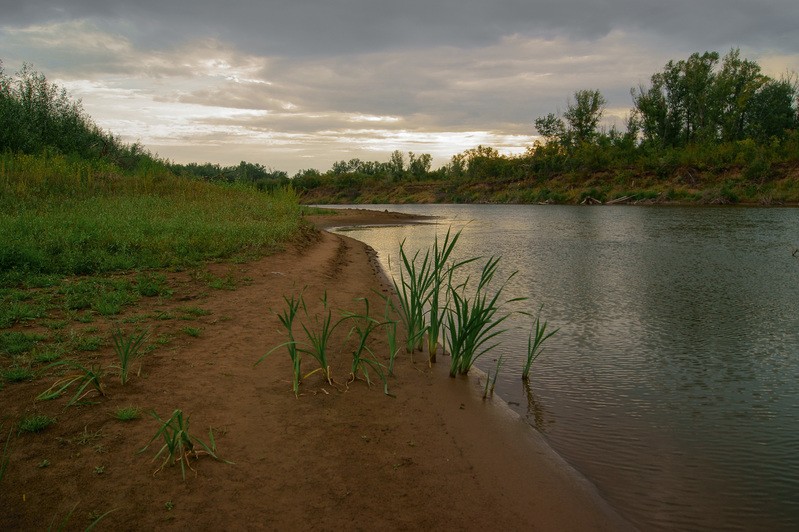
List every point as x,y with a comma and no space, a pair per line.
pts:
35,423
18,374
127,413
18,343
194,332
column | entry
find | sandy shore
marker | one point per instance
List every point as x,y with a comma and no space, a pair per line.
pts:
435,456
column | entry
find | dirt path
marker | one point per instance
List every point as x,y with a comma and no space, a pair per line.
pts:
435,456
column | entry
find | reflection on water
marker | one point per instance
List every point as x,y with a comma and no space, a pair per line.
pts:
673,383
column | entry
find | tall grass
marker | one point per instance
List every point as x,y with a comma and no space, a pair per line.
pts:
83,221
286,317
535,340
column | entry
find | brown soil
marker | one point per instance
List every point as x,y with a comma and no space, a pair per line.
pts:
435,456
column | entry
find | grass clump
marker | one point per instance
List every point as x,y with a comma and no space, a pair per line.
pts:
18,374
17,343
179,444
127,413
35,423
286,317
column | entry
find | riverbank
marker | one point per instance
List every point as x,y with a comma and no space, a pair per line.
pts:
337,457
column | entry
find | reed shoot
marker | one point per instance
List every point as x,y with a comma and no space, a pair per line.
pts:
535,340
127,349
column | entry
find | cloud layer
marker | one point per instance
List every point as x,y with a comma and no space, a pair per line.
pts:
298,84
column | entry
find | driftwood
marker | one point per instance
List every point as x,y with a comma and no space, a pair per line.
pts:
590,201
623,199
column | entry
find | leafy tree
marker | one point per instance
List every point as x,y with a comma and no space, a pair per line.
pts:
583,116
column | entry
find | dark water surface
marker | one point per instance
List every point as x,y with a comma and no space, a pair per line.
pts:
673,383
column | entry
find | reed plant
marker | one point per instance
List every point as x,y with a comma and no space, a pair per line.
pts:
319,338
85,380
474,320
286,317
438,286
127,349
412,291
179,444
363,326
535,340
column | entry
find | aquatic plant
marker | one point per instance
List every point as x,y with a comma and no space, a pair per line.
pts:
474,320
535,340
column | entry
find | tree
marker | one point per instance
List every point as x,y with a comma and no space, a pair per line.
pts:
583,116
551,128
734,90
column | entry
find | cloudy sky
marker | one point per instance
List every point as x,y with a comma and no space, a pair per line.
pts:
294,84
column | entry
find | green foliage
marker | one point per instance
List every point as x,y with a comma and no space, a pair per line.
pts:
85,381
127,413
318,337
474,320
127,349
35,423
535,340
286,318
15,343
179,444
18,374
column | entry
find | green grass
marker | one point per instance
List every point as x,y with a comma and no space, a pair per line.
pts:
85,381
194,332
127,413
18,374
17,343
286,317
35,423
69,218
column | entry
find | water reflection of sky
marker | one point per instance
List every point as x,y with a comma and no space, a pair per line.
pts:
674,380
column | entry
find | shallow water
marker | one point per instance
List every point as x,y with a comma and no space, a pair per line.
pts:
673,383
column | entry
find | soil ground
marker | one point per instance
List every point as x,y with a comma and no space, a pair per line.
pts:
435,455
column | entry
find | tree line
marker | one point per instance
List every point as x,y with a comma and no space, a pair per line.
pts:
701,116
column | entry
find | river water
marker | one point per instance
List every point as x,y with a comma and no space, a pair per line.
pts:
673,382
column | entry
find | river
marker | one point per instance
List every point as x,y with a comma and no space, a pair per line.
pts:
673,381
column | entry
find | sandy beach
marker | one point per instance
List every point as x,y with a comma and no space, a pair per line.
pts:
341,457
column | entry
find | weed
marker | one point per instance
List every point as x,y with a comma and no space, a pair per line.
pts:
194,332
127,413
179,444
35,423
85,343
194,311
44,463
534,342
88,436
47,356
99,470
16,343
86,380
152,285
18,374
412,291
127,350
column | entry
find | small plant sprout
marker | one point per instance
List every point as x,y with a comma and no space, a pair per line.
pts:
535,340
179,445
86,381
491,382
286,318
127,349
319,339
363,326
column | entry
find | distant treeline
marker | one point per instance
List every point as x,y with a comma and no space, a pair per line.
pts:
705,129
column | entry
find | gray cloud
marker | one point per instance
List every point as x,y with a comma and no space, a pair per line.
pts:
312,81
